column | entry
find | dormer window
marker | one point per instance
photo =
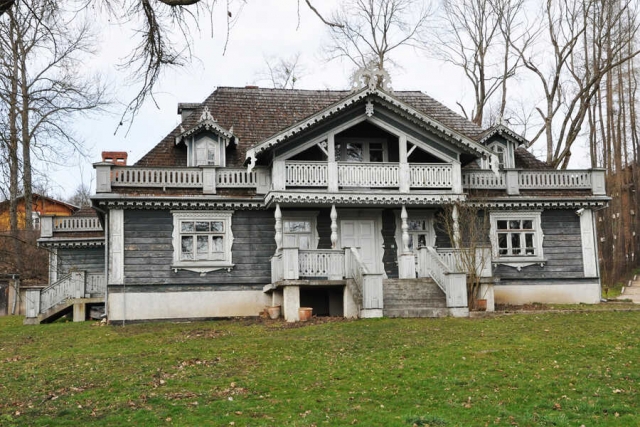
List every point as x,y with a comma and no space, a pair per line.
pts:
502,152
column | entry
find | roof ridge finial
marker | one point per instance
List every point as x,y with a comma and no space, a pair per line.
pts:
372,76
206,115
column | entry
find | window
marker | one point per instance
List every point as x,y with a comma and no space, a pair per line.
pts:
362,150
202,240
206,150
418,234
299,231
421,231
500,152
516,236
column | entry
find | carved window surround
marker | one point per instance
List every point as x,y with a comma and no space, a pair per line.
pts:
516,239
214,260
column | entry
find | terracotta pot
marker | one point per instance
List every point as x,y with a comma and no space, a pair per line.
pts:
481,305
304,313
274,312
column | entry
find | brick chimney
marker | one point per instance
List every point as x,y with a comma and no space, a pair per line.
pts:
118,158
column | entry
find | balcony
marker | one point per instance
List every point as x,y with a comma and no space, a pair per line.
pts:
68,224
336,176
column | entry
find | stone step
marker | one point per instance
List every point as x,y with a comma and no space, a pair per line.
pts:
632,290
416,312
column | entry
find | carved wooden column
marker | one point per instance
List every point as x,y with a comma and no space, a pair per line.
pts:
278,216
455,215
407,261
334,227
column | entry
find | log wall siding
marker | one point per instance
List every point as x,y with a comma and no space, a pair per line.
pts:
148,251
390,256
561,247
87,259
323,227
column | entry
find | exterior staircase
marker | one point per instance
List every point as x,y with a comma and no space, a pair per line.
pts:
73,292
413,298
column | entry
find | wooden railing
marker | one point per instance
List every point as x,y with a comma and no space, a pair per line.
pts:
483,179
307,174
208,178
457,259
568,179
77,284
236,178
68,224
426,175
96,284
366,287
370,175
514,180
453,284
125,176
327,263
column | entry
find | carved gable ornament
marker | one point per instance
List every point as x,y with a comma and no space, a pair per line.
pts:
206,121
372,77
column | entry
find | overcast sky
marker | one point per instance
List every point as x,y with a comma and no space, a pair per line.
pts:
266,28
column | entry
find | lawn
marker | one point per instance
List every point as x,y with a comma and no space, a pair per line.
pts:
542,369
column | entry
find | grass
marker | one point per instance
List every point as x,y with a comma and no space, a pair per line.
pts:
542,369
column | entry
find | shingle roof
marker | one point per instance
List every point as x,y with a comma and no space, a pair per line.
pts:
257,113
525,160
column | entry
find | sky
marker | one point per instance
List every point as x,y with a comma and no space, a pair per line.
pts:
265,28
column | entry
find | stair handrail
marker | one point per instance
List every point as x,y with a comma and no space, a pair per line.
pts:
453,284
69,286
354,269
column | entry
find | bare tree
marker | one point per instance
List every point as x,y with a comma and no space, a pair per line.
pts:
81,197
551,49
369,31
282,73
474,36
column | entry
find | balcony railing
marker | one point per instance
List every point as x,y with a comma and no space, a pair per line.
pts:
72,224
207,178
335,175
514,180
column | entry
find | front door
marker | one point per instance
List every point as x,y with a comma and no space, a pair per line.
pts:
361,234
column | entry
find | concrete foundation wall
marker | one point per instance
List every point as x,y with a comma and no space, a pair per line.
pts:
185,305
558,293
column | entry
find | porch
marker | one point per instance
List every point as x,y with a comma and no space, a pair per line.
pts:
294,271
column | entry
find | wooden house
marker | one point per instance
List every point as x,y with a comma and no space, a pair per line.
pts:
329,199
41,206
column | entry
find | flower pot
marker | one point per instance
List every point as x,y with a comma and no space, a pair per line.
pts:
481,305
304,313
274,312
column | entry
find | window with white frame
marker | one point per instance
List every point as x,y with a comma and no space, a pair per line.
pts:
516,236
299,231
206,150
202,240
421,231
501,152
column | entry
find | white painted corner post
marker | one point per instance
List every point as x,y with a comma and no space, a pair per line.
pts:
589,259
277,271
279,175
116,247
407,262
405,175
456,177
53,266
332,164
